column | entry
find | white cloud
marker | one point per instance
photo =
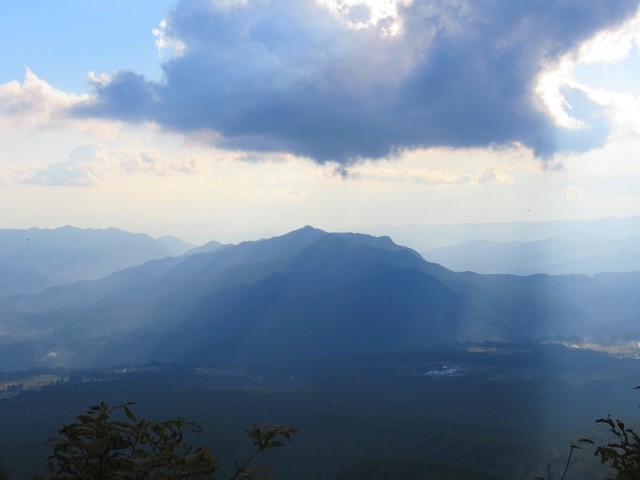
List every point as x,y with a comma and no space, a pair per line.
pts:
167,45
606,48
549,90
367,13
86,165
610,46
229,4
34,103
433,176
622,109
95,164
99,80
154,163
493,175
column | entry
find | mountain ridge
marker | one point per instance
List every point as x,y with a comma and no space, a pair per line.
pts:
39,258
307,294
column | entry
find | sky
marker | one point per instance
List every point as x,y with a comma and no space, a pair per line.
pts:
232,120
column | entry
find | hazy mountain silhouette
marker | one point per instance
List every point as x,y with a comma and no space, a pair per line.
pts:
304,295
424,237
34,259
174,245
584,253
206,248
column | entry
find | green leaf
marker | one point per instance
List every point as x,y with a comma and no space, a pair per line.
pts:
97,448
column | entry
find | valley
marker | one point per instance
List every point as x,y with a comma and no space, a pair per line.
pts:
501,409
383,360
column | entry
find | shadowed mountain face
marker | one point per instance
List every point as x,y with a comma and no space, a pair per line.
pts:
34,259
305,295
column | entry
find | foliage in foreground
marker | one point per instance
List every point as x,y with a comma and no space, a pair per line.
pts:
622,453
100,446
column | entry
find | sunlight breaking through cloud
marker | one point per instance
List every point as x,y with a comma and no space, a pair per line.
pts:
608,47
368,13
314,80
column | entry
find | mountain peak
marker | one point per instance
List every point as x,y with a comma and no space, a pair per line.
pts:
306,230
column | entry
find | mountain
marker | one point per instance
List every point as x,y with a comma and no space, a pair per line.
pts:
174,245
425,237
306,295
34,259
569,254
206,248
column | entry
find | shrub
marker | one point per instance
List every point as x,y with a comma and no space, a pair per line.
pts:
112,443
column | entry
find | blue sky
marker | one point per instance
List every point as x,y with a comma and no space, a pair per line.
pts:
235,119
64,40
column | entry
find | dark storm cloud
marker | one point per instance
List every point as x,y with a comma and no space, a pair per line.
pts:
284,75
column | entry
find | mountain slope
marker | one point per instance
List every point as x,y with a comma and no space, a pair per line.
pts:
305,295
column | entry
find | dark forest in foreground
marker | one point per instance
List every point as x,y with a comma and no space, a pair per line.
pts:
504,410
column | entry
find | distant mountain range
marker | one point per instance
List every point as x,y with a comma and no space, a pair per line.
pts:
305,295
423,237
523,248
34,259
584,254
